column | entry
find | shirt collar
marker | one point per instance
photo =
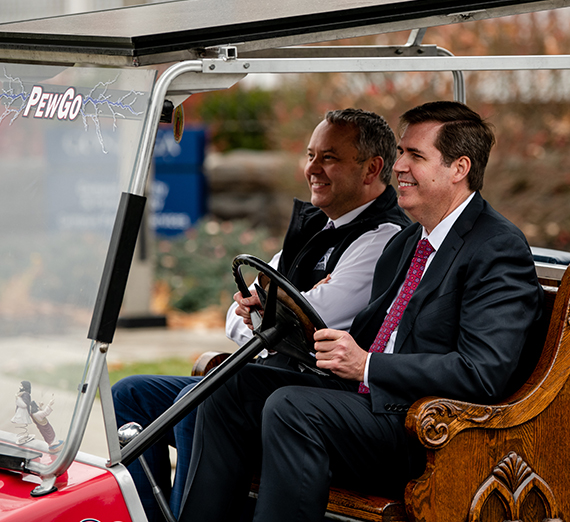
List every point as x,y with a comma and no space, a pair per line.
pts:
349,216
439,233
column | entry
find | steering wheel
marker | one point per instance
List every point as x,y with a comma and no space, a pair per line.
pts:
288,325
283,306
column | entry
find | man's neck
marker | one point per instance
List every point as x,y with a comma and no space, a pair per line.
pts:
452,207
440,231
350,215
365,202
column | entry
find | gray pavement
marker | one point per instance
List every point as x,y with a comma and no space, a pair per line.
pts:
144,344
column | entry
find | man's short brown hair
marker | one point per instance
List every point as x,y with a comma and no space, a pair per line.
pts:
462,133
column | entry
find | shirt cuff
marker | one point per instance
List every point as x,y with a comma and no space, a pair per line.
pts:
365,381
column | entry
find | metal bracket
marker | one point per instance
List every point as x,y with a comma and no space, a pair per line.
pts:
416,37
337,59
45,488
227,53
109,419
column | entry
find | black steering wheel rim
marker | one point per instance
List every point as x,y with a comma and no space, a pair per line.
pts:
282,282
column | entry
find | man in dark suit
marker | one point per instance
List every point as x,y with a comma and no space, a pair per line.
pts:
458,332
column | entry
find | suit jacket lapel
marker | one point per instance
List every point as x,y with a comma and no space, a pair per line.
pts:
438,268
405,260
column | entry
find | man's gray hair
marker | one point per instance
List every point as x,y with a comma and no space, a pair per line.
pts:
374,137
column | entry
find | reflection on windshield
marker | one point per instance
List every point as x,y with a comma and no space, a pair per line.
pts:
68,142
30,412
17,11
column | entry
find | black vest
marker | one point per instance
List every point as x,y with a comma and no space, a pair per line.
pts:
306,242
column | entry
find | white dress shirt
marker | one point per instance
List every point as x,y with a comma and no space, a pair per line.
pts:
348,290
436,238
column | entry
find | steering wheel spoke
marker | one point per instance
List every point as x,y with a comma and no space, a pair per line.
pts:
270,307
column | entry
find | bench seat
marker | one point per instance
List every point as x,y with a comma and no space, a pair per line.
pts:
490,463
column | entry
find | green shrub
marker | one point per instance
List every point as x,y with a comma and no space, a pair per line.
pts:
197,268
239,118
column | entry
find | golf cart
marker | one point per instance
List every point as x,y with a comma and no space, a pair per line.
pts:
80,106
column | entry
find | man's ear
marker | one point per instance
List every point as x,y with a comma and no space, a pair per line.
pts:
375,166
462,168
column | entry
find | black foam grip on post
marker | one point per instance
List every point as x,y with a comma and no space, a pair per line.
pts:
116,269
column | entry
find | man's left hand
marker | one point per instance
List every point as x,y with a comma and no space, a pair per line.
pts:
337,351
322,281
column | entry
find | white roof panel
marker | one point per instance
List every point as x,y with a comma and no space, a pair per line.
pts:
168,31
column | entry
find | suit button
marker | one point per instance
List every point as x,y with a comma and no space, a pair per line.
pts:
400,407
388,407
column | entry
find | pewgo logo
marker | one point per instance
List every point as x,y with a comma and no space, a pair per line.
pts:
48,104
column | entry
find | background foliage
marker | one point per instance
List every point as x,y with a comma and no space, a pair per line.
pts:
238,119
197,268
528,177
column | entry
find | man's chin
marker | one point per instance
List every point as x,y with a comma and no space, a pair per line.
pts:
318,202
405,202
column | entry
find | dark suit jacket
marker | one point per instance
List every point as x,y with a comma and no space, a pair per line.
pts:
463,331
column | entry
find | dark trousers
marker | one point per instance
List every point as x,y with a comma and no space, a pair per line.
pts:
305,431
143,398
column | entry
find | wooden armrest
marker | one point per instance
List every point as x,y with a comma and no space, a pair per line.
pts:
207,361
435,421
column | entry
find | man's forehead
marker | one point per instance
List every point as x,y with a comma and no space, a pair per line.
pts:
330,137
420,135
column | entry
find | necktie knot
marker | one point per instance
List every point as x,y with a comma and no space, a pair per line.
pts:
424,249
329,225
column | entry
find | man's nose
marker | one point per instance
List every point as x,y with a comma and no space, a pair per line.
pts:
313,165
400,165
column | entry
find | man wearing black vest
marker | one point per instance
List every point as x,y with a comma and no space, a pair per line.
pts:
453,300
339,236
335,240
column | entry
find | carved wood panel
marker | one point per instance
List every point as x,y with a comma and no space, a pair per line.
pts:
513,492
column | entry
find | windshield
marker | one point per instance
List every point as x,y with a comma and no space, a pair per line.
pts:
69,138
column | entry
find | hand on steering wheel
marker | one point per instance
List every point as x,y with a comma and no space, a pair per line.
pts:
284,306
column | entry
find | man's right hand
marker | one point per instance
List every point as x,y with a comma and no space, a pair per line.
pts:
245,304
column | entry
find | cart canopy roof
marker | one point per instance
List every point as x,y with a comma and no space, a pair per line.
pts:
170,31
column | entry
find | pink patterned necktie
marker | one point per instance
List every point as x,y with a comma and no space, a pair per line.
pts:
393,317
